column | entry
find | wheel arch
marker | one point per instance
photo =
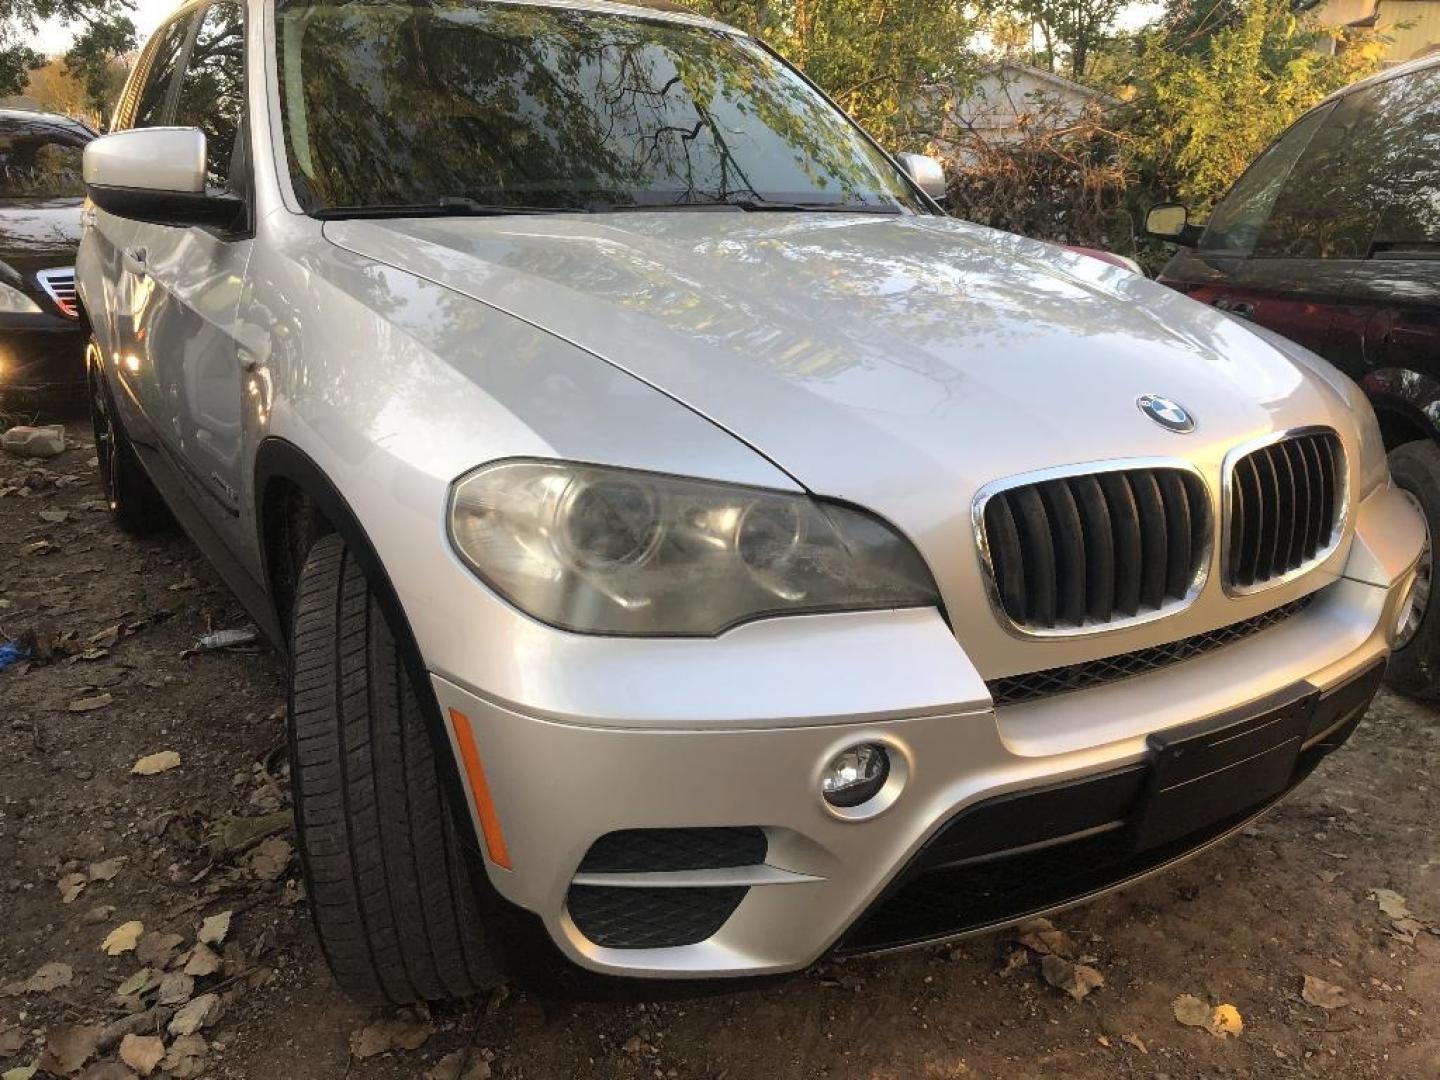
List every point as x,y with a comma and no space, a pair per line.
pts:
1405,403
282,471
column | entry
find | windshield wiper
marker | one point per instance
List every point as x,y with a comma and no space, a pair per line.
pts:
753,205
766,206
445,206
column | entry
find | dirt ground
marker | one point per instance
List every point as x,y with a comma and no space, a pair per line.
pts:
87,846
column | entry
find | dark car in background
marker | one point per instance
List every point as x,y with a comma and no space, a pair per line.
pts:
1332,238
42,336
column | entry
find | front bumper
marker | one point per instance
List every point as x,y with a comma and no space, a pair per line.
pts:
39,351
976,778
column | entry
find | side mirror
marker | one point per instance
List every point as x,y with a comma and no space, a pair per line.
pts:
1169,221
156,175
927,173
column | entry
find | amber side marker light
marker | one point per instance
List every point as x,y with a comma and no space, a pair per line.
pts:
480,790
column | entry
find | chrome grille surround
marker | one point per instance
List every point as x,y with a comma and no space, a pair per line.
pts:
59,284
1228,495
1202,558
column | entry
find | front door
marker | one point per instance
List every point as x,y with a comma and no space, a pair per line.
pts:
185,364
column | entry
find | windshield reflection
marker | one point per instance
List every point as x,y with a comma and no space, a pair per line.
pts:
459,108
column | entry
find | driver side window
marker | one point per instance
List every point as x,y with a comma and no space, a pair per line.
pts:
150,104
1236,224
212,91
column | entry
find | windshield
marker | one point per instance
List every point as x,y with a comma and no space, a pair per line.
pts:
39,162
487,106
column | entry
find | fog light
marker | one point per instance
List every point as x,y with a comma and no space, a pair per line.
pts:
855,775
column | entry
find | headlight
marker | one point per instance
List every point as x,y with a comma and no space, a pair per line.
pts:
15,302
614,551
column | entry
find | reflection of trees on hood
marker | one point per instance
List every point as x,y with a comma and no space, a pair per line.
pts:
534,105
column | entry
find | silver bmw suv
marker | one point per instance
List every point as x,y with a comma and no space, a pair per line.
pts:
695,552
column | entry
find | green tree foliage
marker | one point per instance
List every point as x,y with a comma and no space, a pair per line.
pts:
105,32
894,65
1213,90
1075,28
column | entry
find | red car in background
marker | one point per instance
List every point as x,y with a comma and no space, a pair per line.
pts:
1332,238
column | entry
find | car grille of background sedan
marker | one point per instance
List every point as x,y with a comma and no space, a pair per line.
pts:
1014,689
1286,506
59,285
1096,549
625,916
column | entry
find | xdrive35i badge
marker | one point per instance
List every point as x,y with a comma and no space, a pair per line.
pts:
1166,412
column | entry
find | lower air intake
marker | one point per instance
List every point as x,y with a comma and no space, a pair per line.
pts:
646,918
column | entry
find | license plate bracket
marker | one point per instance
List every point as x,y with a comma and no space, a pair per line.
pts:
1216,768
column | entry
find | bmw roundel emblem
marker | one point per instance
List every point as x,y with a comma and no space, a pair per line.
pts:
1169,414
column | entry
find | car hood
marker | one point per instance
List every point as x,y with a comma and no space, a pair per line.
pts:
35,233
877,359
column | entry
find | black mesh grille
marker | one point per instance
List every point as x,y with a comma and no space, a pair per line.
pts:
1096,548
655,850
1286,501
1014,689
651,918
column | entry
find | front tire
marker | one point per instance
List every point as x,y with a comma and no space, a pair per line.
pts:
134,503
1415,664
388,881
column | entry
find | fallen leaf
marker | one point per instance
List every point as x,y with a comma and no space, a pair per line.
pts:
449,1066
214,929
142,1052
23,1072
1015,959
1191,1011
108,1070
186,1057
49,977
71,886
203,961
105,638
105,871
1136,1042
1077,980
1041,936
1324,994
396,1032
1391,903
156,949
176,988
68,1048
142,982
12,1041
90,704
1225,1022
151,764
270,858
201,1012
1406,930
123,938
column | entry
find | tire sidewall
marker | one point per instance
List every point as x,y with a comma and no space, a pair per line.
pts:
1415,669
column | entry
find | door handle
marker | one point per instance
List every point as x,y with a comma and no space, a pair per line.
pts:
1234,307
134,259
